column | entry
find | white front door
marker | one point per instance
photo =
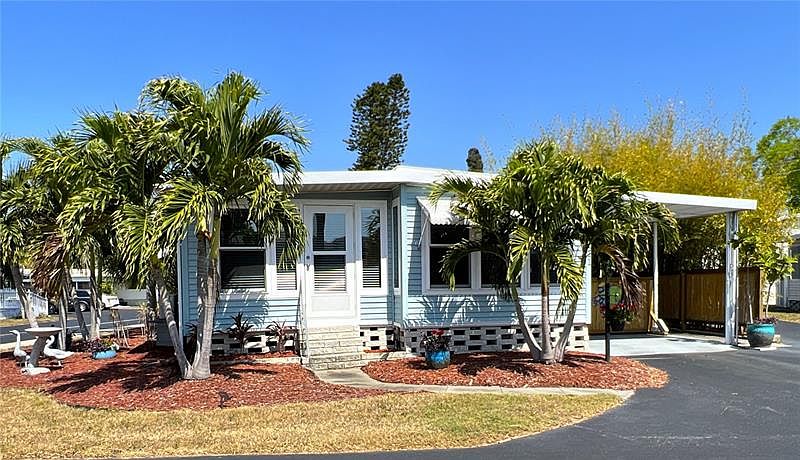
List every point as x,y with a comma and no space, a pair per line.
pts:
330,266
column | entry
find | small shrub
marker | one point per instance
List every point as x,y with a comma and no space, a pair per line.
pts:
281,333
240,329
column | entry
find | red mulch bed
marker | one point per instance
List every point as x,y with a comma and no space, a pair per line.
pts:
145,377
516,370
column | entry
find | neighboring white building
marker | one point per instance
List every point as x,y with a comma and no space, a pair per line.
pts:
787,291
80,279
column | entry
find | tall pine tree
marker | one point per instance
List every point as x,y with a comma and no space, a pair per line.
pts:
379,129
474,160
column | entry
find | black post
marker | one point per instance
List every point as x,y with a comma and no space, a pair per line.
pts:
607,295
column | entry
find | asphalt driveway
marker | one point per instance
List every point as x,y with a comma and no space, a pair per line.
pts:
738,404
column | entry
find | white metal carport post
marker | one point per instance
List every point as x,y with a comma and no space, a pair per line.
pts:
655,279
731,278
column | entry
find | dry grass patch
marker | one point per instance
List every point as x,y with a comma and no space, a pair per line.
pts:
36,426
792,317
8,322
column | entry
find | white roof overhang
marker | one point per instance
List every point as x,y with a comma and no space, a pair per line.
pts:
684,206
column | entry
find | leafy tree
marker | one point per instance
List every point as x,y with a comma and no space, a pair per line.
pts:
673,152
779,153
542,202
474,160
379,128
225,155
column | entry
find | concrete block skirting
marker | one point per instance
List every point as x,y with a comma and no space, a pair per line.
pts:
259,342
469,339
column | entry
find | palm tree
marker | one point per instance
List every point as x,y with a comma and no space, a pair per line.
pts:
13,224
127,157
42,195
226,155
619,238
551,204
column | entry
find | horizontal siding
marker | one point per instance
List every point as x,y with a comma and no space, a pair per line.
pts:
451,308
794,289
260,312
375,309
480,309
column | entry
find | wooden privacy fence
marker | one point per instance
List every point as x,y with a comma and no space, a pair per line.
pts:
689,301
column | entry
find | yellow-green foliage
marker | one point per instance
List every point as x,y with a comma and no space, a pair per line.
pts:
674,153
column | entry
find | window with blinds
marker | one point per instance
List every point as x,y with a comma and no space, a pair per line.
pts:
329,244
371,247
242,252
285,267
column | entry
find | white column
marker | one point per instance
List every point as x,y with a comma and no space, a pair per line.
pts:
655,276
731,278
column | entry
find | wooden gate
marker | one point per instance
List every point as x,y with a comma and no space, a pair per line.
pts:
692,300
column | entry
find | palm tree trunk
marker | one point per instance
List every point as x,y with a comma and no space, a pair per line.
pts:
16,275
169,315
78,314
62,322
547,346
95,304
561,344
535,349
208,250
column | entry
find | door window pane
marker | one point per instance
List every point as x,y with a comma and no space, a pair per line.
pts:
371,247
328,232
330,273
242,269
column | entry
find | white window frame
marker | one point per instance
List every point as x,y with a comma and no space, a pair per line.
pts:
272,275
384,224
232,293
526,288
270,289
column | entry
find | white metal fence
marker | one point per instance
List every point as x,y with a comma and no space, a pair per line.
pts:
10,306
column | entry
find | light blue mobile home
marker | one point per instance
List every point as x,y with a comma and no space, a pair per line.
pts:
369,279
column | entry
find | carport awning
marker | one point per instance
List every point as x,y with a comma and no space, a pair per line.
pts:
684,206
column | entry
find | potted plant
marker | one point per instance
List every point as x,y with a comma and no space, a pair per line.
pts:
761,332
775,263
437,349
618,315
103,348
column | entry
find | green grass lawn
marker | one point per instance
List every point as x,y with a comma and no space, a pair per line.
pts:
34,425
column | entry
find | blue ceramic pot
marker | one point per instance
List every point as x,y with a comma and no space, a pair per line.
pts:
107,354
438,359
760,335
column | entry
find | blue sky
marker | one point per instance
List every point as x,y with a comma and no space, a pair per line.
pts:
479,73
